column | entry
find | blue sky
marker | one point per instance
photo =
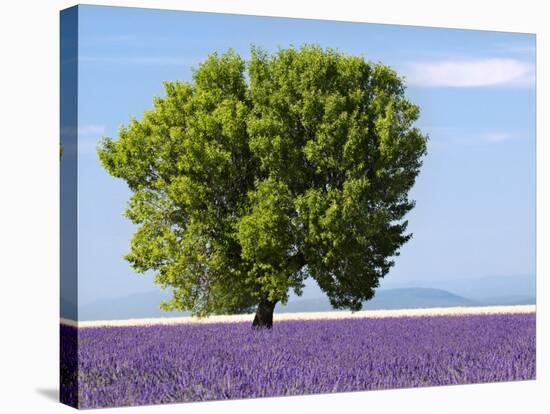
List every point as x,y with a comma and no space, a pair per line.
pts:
475,212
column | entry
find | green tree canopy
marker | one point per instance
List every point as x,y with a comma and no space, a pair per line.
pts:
261,173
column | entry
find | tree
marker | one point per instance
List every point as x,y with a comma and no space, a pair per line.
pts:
261,173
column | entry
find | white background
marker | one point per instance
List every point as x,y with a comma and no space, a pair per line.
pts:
29,242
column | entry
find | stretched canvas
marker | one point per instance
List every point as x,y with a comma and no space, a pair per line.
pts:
256,206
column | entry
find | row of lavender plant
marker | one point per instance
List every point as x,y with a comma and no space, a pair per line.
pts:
191,362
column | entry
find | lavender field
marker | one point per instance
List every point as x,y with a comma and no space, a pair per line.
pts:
191,362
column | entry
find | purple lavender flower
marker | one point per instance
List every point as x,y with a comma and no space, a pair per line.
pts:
192,362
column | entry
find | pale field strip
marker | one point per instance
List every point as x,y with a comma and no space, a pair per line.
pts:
456,311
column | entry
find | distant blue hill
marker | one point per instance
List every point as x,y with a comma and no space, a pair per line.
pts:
401,298
139,305
493,290
488,290
146,305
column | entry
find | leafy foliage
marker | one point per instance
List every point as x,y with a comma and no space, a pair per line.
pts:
260,173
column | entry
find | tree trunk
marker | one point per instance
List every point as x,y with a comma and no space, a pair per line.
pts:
264,314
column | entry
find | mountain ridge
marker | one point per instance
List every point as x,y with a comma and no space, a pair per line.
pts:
509,291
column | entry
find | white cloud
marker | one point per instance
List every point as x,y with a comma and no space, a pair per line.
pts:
87,147
472,136
87,130
520,48
471,73
497,136
88,137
